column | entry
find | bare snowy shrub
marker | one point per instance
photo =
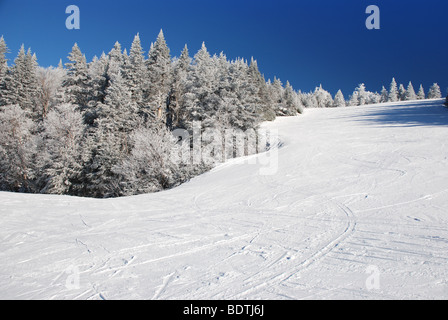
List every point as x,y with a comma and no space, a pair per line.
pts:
63,157
149,167
50,82
17,149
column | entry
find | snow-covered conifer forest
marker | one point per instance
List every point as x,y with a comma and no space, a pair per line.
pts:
105,128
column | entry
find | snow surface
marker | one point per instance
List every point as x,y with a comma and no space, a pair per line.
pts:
358,209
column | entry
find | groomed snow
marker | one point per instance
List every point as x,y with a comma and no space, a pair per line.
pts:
358,209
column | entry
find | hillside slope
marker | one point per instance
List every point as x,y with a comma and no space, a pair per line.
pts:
357,209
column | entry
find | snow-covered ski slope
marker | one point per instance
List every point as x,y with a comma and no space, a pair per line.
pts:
358,209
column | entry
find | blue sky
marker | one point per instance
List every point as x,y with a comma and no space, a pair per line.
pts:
308,42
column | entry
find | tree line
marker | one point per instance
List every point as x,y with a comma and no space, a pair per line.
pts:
104,128
321,98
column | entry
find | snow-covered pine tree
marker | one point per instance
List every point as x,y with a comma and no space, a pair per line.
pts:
434,92
119,113
339,100
3,61
373,97
393,92
362,94
227,106
246,111
104,152
21,84
354,99
126,64
77,83
298,102
290,101
109,143
264,97
200,87
421,93
115,63
159,76
323,98
384,95
251,100
276,90
228,84
177,90
4,69
401,93
308,100
32,83
410,92
136,73
99,80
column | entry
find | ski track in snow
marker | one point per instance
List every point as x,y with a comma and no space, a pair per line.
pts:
355,187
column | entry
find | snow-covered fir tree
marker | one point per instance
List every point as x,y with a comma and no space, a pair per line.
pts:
434,92
339,100
410,92
200,98
177,90
118,113
354,99
263,95
116,118
159,77
401,93
3,61
77,83
359,96
104,152
240,95
290,100
373,97
384,95
362,94
323,98
115,64
393,92
276,92
21,84
136,73
98,69
421,93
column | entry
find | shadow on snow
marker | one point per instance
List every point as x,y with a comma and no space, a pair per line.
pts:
409,114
